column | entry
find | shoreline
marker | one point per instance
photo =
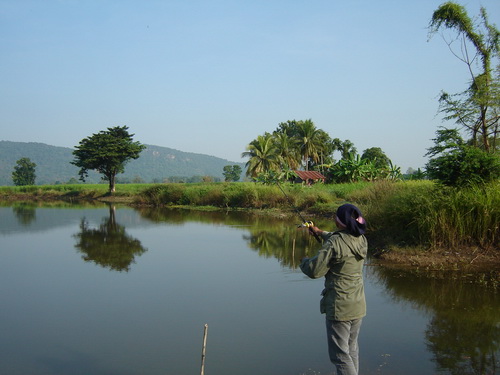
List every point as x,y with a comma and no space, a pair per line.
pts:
416,258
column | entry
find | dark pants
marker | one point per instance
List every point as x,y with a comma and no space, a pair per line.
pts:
343,345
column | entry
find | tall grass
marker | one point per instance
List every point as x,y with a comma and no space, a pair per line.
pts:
423,213
223,195
411,213
464,217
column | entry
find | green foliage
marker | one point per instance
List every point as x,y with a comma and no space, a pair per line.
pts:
297,144
377,156
419,214
24,172
475,109
453,16
422,213
455,163
411,174
305,144
287,148
355,169
106,152
464,217
232,173
346,148
263,155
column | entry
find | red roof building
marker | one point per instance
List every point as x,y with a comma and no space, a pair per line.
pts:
309,177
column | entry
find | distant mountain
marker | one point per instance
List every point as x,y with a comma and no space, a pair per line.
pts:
154,165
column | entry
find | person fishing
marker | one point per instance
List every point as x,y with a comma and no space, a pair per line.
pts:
340,260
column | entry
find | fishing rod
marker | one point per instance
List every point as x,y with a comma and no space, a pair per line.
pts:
305,223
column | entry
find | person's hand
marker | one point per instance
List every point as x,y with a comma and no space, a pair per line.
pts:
315,230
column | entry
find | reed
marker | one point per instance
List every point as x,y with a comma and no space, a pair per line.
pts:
427,214
465,217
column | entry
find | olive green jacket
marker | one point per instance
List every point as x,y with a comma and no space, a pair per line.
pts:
340,260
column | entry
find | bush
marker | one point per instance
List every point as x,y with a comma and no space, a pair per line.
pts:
455,163
241,195
465,166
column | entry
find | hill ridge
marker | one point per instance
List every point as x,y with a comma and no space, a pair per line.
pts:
155,164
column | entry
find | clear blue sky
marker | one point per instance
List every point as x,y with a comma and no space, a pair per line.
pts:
210,76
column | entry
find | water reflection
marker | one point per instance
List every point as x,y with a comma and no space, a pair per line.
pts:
25,213
462,319
284,243
268,236
181,216
108,245
464,331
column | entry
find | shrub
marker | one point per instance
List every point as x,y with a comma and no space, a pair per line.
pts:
241,195
454,163
163,194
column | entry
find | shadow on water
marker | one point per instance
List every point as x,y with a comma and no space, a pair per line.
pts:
108,245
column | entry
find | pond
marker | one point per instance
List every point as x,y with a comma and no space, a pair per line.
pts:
105,290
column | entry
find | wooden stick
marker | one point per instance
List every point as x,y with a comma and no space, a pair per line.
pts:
205,332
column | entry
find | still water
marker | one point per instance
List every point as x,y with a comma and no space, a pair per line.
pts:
104,290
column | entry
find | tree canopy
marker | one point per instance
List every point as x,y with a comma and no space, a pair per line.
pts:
107,152
377,156
477,108
24,172
455,163
300,144
262,154
231,173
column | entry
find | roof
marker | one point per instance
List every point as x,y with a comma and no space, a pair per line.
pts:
310,175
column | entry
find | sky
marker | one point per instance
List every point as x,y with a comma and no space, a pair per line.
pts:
210,76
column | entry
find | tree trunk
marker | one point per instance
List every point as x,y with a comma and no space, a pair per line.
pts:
484,126
112,184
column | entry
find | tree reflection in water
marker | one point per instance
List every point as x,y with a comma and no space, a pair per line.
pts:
25,213
464,331
108,245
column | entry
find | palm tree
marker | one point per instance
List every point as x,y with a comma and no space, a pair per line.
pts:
309,138
346,148
287,148
263,156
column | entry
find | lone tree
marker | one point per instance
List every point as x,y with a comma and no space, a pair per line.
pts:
24,172
477,108
107,152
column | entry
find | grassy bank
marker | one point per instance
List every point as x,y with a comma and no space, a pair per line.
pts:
460,225
74,192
